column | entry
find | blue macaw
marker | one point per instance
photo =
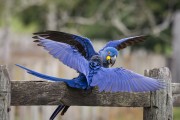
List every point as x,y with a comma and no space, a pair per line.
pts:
78,53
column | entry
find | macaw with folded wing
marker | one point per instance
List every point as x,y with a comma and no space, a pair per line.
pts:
78,53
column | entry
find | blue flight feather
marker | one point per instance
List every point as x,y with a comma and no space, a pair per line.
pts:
123,80
67,54
87,44
58,109
82,44
122,43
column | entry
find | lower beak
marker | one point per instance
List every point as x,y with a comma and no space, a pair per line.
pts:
112,62
109,61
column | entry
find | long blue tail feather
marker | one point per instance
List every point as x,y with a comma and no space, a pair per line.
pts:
58,109
78,82
65,110
43,76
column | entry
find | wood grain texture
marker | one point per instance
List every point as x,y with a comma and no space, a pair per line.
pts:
4,93
157,105
175,88
176,94
55,93
161,101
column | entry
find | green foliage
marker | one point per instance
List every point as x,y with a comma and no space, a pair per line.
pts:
159,8
18,26
97,31
176,112
64,5
157,44
139,17
32,16
86,8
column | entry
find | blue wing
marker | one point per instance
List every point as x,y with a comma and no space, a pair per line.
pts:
122,80
79,82
82,44
67,54
122,43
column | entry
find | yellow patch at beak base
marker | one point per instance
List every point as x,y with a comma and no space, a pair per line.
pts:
108,58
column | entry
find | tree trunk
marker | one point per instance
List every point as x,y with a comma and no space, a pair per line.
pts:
51,17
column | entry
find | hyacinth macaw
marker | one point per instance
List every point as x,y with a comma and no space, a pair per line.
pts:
78,53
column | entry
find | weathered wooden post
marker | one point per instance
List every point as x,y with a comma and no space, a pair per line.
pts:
4,93
161,101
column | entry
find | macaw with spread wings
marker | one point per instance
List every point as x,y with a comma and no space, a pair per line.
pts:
78,53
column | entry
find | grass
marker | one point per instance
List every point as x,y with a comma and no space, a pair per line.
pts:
176,112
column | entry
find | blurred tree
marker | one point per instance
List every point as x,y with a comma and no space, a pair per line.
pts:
108,19
33,15
5,33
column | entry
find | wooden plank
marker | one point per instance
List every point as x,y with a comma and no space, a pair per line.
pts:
176,100
176,94
55,93
175,88
161,101
55,89
4,93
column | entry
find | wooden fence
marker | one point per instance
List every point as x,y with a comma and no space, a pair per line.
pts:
157,105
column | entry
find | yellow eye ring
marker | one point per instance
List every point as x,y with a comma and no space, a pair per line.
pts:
108,57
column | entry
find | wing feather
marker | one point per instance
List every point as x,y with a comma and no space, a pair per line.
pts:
123,80
82,44
67,54
123,43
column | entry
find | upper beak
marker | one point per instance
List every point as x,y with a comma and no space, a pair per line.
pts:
113,60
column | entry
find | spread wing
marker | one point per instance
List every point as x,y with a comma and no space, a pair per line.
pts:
123,43
66,53
82,44
122,80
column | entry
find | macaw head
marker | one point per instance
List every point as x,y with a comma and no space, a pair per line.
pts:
109,55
